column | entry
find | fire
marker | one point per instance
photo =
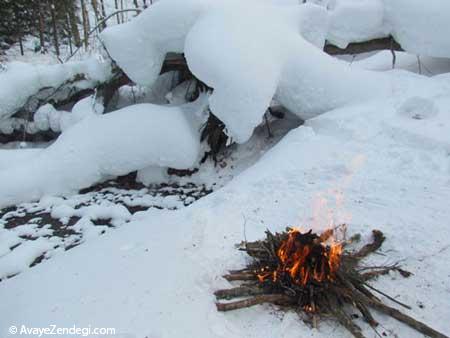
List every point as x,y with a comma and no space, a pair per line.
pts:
305,257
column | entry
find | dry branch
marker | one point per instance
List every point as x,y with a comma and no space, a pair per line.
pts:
364,47
411,322
278,299
276,281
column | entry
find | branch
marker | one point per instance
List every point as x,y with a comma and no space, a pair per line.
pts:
364,47
277,299
100,23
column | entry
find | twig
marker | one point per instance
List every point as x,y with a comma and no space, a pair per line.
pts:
411,322
388,297
240,291
101,22
378,239
277,299
240,276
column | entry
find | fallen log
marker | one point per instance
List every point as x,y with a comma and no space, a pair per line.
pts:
375,45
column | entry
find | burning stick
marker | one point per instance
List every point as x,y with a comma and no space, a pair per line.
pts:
312,273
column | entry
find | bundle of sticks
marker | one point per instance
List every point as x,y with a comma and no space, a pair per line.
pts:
316,277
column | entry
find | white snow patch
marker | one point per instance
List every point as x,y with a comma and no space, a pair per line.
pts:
21,257
95,149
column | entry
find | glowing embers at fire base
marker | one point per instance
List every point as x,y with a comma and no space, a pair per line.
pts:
304,258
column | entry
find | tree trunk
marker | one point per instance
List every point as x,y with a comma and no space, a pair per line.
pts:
102,5
122,14
74,32
69,33
41,27
85,17
21,44
98,17
116,5
55,31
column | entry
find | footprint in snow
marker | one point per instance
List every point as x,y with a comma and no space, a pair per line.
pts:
418,108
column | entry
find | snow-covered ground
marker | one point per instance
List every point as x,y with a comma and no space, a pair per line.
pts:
372,166
55,224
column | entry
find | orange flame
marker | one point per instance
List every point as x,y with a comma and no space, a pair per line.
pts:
304,257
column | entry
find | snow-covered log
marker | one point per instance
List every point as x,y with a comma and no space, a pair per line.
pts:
374,45
107,145
251,59
25,87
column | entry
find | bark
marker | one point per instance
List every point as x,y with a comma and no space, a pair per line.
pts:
116,6
86,25
178,62
98,16
74,32
55,30
411,322
102,5
41,26
364,47
277,299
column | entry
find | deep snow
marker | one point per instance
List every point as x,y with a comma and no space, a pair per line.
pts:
381,160
95,149
372,170
273,51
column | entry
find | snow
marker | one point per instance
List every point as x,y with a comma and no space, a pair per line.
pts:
420,29
356,21
13,157
151,175
49,118
408,21
374,153
156,31
22,80
21,258
262,56
94,149
428,66
367,165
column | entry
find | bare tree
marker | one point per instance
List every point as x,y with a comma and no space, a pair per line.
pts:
41,26
116,5
86,25
98,16
73,22
54,26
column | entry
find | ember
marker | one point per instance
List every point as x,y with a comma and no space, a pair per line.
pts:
315,275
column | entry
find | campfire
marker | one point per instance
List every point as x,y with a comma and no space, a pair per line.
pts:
317,276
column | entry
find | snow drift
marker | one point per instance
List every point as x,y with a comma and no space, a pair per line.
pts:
130,139
366,165
249,59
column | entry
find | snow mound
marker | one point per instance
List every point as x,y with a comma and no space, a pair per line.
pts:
356,21
248,59
420,27
140,46
49,118
21,80
252,59
126,140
